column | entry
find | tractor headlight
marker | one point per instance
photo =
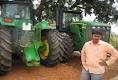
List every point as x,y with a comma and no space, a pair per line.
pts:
93,27
26,26
98,27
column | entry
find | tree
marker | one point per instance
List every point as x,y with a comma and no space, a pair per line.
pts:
103,9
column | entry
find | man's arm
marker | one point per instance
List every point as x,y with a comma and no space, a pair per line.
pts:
114,55
83,55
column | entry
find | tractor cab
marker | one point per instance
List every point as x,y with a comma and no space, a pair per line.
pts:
15,12
104,28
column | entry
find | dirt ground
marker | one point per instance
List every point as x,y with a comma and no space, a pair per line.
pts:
66,71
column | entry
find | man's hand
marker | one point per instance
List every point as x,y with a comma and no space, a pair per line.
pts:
103,63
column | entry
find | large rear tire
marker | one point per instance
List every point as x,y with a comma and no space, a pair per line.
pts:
59,48
5,51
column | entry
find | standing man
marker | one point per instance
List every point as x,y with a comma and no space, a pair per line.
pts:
94,57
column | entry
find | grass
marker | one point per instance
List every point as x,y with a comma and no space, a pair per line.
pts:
114,40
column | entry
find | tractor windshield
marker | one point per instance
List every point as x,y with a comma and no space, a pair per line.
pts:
70,17
15,11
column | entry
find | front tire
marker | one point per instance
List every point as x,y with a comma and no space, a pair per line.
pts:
59,49
5,51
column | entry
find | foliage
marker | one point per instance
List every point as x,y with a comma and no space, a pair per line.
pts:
103,9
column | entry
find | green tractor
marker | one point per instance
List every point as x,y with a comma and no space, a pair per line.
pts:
68,21
35,43
43,42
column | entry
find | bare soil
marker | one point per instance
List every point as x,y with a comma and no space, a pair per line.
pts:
65,71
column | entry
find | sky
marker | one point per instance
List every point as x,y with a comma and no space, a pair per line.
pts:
114,28
89,18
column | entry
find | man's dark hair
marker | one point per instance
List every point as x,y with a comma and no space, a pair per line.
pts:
96,31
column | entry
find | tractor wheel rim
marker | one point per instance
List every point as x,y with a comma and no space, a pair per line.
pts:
45,53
